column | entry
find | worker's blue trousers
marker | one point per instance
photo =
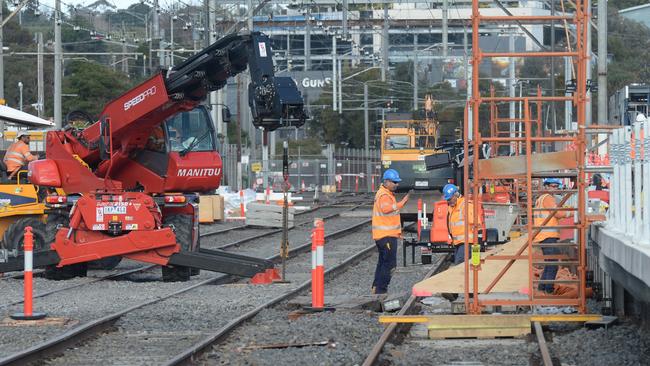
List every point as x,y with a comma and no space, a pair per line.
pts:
459,254
549,272
386,263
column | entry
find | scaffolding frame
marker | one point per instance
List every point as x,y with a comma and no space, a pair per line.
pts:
528,142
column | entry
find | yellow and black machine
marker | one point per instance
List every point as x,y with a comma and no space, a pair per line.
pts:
22,204
411,147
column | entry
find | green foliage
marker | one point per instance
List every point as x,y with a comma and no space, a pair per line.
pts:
95,85
628,42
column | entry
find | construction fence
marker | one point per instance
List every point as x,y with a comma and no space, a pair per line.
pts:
344,169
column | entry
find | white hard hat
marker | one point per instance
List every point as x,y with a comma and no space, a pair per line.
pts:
640,117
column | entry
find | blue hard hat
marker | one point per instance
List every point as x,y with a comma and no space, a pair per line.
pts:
449,191
557,181
392,175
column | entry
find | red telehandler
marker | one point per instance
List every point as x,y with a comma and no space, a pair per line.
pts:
132,178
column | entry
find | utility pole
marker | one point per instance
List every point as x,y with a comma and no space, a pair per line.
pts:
58,64
588,113
511,89
340,85
156,32
125,58
249,21
553,114
41,83
334,77
307,42
366,129
2,78
252,130
415,72
171,38
216,97
445,18
602,62
344,12
384,47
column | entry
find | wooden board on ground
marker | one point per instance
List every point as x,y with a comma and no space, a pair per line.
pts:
49,321
477,326
453,279
516,165
364,302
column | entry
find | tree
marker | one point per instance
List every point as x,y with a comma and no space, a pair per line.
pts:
94,86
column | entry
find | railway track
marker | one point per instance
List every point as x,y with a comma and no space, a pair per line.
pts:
97,327
407,309
146,268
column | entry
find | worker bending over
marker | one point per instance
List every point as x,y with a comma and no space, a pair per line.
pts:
386,229
456,216
551,234
18,156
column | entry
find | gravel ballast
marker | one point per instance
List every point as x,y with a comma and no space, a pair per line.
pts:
352,332
154,334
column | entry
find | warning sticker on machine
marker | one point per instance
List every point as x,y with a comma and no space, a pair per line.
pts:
99,214
114,210
131,227
262,47
99,227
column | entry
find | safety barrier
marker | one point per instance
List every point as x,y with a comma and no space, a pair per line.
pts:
629,210
28,313
317,265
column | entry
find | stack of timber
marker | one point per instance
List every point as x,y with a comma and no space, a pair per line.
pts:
260,214
211,208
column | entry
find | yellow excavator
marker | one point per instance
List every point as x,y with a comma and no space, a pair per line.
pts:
22,204
411,147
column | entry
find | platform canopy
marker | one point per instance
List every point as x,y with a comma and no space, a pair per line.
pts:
8,114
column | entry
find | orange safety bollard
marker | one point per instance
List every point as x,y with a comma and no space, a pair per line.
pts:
372,184
28,313
356,183
317,265
268,195
302,186
241,203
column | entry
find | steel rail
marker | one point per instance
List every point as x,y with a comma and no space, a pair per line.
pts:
93,280
78,334
388,333
276,231
196,350
152,266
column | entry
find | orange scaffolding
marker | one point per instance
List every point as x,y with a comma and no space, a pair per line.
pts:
531,144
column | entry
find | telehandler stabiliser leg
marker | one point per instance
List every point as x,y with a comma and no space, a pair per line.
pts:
209,260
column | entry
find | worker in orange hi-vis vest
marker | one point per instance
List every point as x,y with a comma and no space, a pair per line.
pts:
456,216
18,156
551,234
386,229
